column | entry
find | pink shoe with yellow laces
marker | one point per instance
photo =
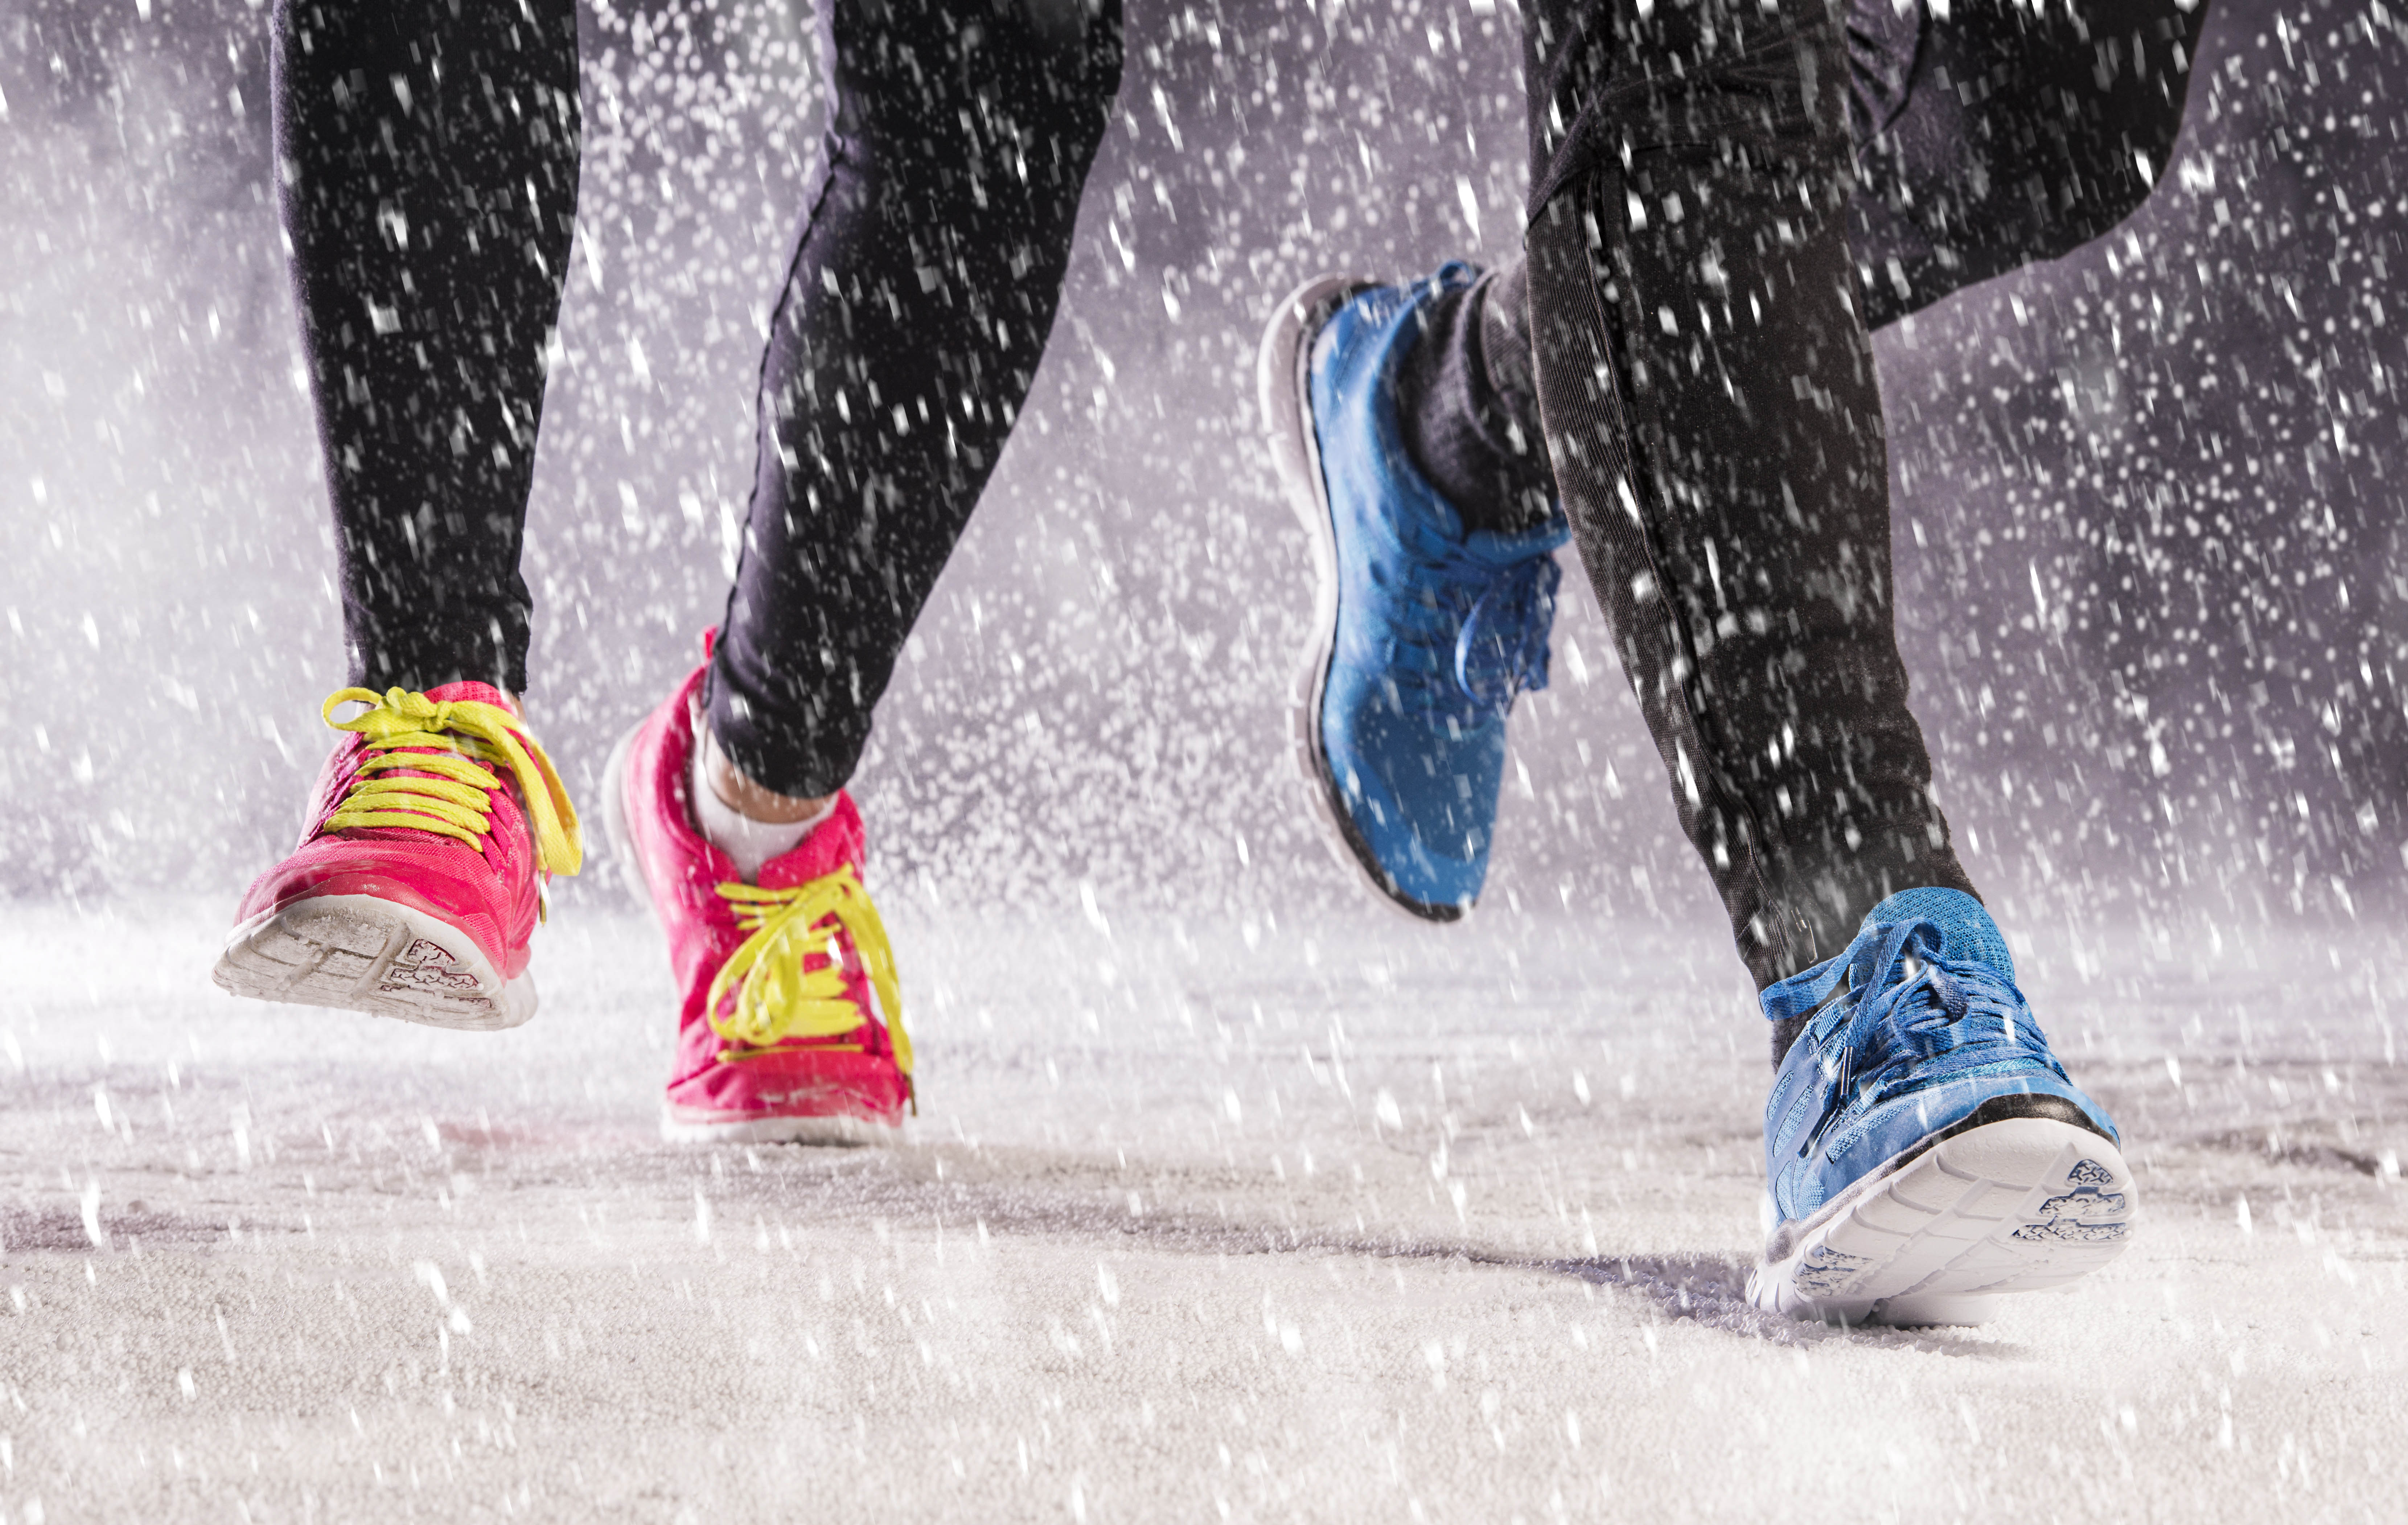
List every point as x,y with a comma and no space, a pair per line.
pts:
790,1028
418,885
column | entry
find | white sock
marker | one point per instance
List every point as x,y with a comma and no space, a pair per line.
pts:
749,843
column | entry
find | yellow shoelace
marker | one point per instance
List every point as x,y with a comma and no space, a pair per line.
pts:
776,996
409,730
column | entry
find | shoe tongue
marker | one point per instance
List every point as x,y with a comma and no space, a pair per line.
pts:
1967,933
833,843
1504,548
469,688
1434,536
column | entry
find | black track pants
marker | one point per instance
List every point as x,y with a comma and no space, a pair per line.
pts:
1726,200
2003,134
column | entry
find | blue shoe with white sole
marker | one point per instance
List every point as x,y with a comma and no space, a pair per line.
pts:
1925,1152
1424,633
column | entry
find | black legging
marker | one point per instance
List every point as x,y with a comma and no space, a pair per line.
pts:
922,287
432,146
429,149
2004,134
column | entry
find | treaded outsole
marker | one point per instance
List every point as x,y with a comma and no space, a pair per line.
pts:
361,954
1283,387
2017,1206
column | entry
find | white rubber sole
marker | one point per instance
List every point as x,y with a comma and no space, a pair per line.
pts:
2016,1205
1283,384
823,1131
614,818
367,955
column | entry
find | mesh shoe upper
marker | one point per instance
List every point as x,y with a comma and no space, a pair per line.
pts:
1437,629
441,801
788,1001
1912,1029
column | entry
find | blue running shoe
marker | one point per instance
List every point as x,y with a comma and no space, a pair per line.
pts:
1424,634
1924,1151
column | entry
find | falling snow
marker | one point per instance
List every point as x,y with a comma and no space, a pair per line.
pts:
1228,1199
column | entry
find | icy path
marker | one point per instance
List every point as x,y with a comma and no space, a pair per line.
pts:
1364,1222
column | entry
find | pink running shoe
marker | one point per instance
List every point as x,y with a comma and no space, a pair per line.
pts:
418,883
778,1040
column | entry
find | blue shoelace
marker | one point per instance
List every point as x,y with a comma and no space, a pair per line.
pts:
1917,1021
1501,650
1477,636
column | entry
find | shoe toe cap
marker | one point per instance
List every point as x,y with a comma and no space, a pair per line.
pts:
454,883
1422,804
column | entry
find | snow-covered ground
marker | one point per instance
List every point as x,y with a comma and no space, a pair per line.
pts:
1348,1220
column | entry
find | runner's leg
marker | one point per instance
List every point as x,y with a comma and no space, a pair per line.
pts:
429,153
935,236
1707,384
1913,213
1712,411
924,284
2052,152
2004,134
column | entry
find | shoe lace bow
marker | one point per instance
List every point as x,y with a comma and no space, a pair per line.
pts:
1917,1020
430,768
1483,632
777,996
1501,650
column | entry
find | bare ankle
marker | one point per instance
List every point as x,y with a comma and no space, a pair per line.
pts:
748,798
